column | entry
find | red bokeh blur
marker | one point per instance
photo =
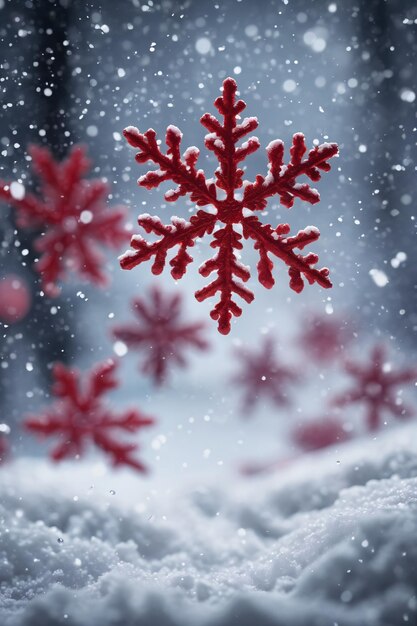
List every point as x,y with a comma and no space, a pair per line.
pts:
15,299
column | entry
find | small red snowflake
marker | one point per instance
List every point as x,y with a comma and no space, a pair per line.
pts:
320,433
376,388
160,332
324,337
262,375
80,416
71,213
229,216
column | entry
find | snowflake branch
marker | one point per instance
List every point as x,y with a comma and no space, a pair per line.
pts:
172,167
275,242
281,179
223,138
30,210
178,233
226,265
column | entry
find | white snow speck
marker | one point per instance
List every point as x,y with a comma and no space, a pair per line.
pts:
289,85
86,217
379,277
17,190
203,45
251,30
407,95
120,348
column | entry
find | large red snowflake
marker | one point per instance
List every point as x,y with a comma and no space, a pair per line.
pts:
72,215
376,387
80,416
233,215
160,332
262,375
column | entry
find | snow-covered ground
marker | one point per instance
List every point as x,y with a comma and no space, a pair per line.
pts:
330,540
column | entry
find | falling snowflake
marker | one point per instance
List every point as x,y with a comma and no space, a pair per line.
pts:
262,375
79,416
323,337
233,215
160,333
320,433
71,214
376,388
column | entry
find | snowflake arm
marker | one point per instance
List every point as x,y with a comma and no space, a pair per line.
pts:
171,166
178,233
281,179
79,416
229,211
274,241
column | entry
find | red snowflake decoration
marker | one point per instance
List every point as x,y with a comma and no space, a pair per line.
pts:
320,433
376,388
234,216
263,375
324,337
79,416
72,214
160,332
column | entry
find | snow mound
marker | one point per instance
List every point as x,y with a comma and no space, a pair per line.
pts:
329,542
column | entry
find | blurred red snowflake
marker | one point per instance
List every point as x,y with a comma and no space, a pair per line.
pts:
324,337
160,333
80,416
233,216
320,433
262,375
376,387
71,214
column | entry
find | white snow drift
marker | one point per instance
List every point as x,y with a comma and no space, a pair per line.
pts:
330,541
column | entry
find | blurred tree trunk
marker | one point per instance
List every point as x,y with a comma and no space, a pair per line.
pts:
46,332
388,165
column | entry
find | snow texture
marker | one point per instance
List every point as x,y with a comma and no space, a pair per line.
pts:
328,541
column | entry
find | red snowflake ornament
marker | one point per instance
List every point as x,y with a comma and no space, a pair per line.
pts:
230,216
160,332
324,337
375,387
72,214
262,375
80,416
320,433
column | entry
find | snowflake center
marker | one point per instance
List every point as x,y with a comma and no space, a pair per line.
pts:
373,389
230,211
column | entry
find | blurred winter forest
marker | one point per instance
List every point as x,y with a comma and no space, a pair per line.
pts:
79,72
